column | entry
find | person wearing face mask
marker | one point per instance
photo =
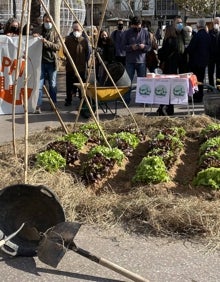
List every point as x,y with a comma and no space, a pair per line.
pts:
199,52
173,56
49,60
188,34
12,27
116,36
180,54
24,30
106,51
214,59
136,43
79,50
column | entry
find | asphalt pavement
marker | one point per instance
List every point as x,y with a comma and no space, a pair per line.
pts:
68,114
156,259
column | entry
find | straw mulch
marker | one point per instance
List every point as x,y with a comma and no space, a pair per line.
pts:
175,208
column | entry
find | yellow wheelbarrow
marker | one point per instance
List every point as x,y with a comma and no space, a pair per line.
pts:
105,95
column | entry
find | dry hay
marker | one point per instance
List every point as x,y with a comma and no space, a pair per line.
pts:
172,209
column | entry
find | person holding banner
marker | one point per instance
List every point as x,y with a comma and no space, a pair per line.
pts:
49,63
12,27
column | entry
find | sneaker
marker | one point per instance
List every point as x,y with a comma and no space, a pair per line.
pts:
37,110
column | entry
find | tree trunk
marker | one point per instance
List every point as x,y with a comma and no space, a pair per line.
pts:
35,13
55,11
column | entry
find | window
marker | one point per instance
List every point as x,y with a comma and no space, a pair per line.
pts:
145,5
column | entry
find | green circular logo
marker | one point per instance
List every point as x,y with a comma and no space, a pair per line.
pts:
179,91
144,89
160,90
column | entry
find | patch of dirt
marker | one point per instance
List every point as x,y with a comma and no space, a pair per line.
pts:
184,169
174,207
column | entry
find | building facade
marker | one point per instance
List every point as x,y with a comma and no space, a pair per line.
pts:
159,12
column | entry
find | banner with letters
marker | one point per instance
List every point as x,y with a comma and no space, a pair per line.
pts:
8,65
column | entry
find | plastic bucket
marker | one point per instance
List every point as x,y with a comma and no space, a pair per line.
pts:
119,75
37,206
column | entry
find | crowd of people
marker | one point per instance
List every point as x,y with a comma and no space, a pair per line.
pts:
137,47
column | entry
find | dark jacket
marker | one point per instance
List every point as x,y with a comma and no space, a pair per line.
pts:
215,45
79,51
172,53
168,55
50,47
132,37
199,49
107,50
117,37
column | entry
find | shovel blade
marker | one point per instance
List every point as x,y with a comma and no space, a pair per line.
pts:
52,247
50,252
66,230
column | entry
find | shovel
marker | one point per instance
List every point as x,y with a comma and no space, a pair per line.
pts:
5,240
58,239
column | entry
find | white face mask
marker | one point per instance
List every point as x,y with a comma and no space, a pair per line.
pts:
216,26
48,25
77,34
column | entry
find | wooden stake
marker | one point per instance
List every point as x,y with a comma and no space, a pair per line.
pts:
94,46
16,78
26,92
55,109
77,74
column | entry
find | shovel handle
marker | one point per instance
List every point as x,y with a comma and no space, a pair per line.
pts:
104,262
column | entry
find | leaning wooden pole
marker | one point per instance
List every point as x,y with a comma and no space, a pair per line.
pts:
93,59
55,109
16,79
26,92
77,74
99,57
94,47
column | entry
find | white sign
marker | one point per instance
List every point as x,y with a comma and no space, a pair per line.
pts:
8,65
162,91
165,89
145,90
179,91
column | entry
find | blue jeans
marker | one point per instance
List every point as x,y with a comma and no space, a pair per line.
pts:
49,73
141,70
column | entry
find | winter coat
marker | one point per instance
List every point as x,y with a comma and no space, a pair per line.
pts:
199,49
167,55
79,51
215,45
50,47
132,37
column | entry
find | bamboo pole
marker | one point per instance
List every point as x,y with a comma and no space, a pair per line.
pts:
93,60
99,57
89,73
55,109
77,74
16,79
26,91
94,46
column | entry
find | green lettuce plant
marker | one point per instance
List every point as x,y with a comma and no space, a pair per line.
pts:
151,170
50,160
208,177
